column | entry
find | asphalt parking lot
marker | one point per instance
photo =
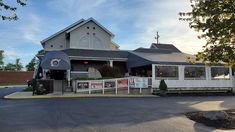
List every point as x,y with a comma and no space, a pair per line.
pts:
106,114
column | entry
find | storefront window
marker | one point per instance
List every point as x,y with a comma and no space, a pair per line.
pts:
219,73
194,73
166,72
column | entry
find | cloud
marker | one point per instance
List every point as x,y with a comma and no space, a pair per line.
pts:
32,30
163,16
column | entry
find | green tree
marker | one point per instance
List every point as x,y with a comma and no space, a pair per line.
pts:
31,64
215,21
1,60
10,67
18,65
8,8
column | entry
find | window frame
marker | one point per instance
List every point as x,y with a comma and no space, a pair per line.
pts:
167,78
213,78
195,78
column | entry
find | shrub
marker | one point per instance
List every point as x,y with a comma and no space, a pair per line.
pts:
110,72
163,85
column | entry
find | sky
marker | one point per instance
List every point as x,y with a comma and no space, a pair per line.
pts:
134,23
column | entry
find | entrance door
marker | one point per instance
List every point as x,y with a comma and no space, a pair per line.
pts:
58,74
59,77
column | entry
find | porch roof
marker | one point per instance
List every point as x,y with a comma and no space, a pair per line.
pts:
144,56
91,54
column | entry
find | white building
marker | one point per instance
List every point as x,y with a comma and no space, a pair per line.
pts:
87,44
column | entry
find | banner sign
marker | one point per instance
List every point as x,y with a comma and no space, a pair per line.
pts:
138,82
109,84
123,83
83,85
97,85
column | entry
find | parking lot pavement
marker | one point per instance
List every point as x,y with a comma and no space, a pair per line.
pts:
9,90
108,114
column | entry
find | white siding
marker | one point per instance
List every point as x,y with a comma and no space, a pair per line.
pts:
84,38
181,83
56,43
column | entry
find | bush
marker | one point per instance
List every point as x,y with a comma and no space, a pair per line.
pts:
163,85
110,72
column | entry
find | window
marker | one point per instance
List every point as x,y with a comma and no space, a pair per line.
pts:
87,27
94,28
84,42
87,33
61,46
93,33
167,72
194,73
219,73
51,46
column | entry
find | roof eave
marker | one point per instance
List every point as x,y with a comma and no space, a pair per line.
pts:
61,31
88,20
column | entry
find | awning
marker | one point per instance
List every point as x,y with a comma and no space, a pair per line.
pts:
55,60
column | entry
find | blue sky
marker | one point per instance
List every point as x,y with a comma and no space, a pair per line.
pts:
134,23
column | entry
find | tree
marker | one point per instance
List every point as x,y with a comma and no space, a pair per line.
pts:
110,72
215,20
10,67
14,67
30,66
11,9
1,60
18,65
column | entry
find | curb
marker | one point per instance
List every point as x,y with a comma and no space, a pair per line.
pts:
13,96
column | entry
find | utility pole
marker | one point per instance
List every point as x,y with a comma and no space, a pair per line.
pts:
157,37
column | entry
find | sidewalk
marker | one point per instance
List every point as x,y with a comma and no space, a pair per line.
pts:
28,95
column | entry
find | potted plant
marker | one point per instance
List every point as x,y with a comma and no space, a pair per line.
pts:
163,87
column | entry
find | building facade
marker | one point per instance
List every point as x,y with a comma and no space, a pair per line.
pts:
88,46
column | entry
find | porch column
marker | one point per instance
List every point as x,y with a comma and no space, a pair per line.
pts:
43,73
232,79
153,76
111,63
208,73
181,72
68,77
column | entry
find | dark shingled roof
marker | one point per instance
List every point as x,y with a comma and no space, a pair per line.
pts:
97,53
157,54
94,53
165,46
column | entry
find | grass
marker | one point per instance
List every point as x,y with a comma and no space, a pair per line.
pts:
28,89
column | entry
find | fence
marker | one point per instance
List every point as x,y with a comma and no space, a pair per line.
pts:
112,84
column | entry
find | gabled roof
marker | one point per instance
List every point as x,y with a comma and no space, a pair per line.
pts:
164,46
88,20
166,54
63,30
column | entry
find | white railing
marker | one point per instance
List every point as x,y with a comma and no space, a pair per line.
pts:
115,84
